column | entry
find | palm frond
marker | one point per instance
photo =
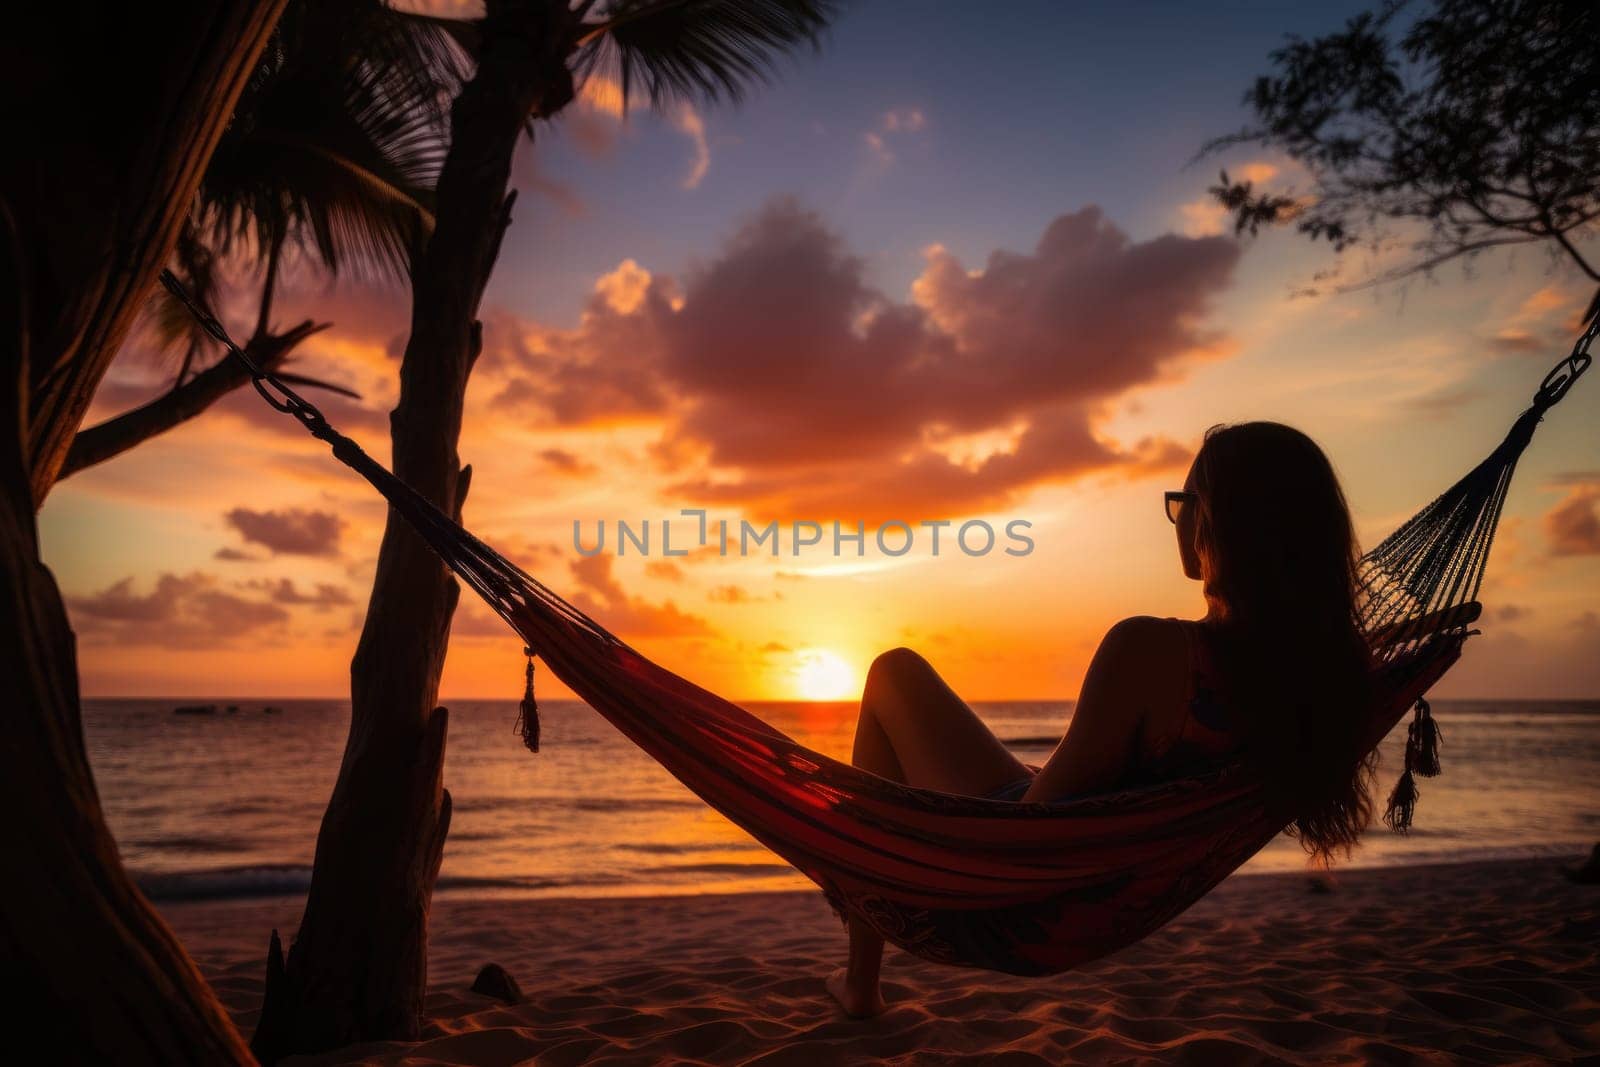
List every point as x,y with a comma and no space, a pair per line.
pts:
306,381
168,324
417,60
336,146
331,154
463,37
696,49
349,181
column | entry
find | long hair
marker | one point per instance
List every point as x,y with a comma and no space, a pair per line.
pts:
1278,557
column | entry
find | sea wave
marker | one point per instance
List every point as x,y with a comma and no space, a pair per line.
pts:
220,807
288,880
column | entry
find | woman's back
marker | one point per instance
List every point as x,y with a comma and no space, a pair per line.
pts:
1195,729
1153,705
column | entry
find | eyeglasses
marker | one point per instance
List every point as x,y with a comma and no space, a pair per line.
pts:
1175,500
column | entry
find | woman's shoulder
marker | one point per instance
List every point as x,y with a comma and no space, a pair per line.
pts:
1149,640
1149,630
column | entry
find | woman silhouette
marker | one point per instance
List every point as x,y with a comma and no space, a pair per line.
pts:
1276,670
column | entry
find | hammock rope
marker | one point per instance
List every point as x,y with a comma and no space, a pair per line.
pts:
1026,888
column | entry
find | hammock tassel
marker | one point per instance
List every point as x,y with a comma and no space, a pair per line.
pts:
1402,804
1422,742
1422,760
528,713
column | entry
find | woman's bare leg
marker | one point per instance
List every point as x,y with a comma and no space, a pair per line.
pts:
855,986
914,729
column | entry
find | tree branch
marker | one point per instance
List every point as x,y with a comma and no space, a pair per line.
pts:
1572,250
181,403
1434,261
269,286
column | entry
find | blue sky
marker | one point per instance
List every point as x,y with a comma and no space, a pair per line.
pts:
1029,110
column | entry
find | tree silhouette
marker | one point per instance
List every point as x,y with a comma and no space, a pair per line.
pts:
330,156
111,114
357,967
1475,127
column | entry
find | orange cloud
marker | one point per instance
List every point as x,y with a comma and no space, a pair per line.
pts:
321,598
604,597
182,611
787,385
562,461
292,531
1572,527
664,569
897,123
1542,323
687,121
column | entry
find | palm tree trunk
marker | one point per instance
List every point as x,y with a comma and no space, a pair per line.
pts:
125,116
357,969
80,942
85,223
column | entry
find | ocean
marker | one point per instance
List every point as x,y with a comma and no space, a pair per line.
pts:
228,804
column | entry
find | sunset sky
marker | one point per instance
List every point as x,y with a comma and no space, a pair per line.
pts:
953,266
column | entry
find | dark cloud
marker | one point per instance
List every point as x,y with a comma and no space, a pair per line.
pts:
292,531
930,484
606,370
182,611
1518,341
535,557
320,598
474,620
1444,402
562,461
790,386
1572,527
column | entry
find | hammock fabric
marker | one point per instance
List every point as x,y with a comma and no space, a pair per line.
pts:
1026,888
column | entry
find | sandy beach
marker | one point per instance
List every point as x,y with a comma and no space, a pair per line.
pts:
1482,962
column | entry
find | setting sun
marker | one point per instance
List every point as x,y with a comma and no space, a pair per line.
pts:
821,674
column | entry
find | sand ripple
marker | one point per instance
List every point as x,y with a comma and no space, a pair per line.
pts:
1491,962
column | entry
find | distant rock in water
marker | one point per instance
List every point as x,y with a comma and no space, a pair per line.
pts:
495,981
195,709
271,709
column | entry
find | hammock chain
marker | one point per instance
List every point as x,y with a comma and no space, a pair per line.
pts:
272,388
1569,370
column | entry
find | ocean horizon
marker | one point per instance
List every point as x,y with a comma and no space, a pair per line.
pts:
227,804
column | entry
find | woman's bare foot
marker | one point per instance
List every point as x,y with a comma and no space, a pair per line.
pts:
857,1003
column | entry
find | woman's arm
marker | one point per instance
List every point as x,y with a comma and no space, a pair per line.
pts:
1133,665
